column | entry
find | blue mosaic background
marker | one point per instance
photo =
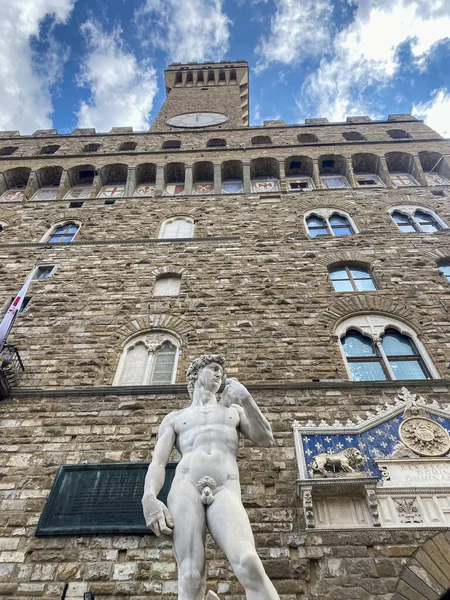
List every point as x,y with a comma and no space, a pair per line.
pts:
377,442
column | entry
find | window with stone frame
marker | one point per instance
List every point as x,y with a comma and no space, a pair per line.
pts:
44,271
63,233
416,220
149,359
376,348
444,268
352,278
50,149
167,284
177,227
333,224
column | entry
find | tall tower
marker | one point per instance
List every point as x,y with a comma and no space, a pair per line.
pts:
205,95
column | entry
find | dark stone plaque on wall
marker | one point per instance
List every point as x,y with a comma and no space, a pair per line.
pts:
99,498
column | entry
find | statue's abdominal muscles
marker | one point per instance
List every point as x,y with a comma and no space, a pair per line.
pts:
208,456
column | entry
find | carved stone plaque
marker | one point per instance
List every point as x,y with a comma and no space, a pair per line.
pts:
424,436
99,498
415,473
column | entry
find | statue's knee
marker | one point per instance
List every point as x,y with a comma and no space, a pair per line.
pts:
191,578
250,565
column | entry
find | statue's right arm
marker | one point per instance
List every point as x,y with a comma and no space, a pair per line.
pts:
156,513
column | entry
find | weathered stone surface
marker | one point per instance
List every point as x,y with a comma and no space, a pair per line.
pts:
263,297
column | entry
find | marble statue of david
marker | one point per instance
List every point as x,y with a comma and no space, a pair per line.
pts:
206,491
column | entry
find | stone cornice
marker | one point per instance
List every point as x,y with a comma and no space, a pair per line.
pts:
54,136
205,240
225,149
152,390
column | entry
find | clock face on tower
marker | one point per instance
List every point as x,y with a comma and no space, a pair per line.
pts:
199,119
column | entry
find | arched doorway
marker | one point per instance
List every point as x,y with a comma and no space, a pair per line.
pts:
427,574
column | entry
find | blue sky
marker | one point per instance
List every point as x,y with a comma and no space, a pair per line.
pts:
99,63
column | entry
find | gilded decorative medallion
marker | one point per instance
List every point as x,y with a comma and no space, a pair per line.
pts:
424,436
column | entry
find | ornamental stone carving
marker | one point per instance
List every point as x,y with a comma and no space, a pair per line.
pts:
342,463
407,510
424,436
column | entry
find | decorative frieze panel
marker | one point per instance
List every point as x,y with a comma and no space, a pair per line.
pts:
426,509
391,469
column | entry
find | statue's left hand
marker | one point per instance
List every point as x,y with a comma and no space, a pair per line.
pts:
234,392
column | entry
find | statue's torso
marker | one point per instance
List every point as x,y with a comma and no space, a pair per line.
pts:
208,440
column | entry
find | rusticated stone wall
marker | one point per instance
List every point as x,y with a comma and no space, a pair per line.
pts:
263,297
254,286
39,433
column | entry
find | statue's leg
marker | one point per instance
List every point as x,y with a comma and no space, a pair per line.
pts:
188,514
230,528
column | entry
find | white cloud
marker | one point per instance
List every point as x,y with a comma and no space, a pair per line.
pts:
436,112
298,30
365,52
122,88
25,100
186,30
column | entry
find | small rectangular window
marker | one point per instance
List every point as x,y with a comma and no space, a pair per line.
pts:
299,185
110,202
167,286
296,164
328,164
75,204
44,271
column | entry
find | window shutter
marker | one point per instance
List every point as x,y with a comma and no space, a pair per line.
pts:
164,363
134,368
178,228
167,286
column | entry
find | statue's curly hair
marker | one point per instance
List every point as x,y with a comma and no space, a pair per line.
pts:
199,363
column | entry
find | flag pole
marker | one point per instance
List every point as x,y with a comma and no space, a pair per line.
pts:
10,316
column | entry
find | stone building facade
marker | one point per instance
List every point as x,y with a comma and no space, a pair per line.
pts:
282,247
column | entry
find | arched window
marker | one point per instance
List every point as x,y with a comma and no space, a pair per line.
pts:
63,233
91,147
402,169
332,224
127,146
45,185
51,149
81,181
416,220
177,227
259,140
148,360
353,136
435,167
114,179
376,348
7,150
171,145
216,143
398,134
16,180
333,171
307,138
352,278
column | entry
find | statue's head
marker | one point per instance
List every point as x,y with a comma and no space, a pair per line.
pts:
209,369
